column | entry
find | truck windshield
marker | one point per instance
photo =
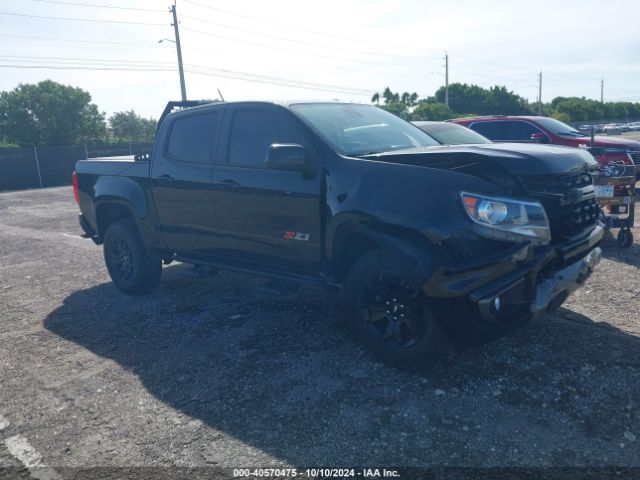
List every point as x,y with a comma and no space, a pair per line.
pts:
559,128
362,129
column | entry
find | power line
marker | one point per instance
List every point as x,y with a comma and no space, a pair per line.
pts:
75,19
36,58
195,69
273,47
54,39
80,67
57,2
307,30
285,39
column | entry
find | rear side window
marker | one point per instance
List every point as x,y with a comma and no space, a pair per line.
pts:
191,138
491,130
253,132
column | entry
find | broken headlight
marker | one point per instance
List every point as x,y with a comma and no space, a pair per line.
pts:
507,218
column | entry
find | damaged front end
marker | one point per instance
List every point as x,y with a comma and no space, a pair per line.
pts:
536,253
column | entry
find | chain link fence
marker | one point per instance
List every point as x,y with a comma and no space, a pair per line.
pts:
42,167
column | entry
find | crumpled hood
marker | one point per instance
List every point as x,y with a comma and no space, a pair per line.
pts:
515,158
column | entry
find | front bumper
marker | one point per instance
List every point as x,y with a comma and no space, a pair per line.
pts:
553,290
501,304
481,300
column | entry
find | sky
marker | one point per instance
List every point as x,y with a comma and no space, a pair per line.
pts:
334,49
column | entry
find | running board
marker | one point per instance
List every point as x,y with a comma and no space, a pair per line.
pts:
290,277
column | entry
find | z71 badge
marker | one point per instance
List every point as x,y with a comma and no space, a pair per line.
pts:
300,236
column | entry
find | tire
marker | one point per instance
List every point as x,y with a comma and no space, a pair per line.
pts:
403,332
131,267
625,238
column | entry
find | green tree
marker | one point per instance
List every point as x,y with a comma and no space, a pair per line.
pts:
131,127
464,98
497,100
49,113
563,117
427,110
397,108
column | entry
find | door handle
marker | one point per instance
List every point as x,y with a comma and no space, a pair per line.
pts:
165,179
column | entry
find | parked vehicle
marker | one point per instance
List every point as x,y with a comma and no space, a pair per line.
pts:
526,129
612,129
447,133
430,245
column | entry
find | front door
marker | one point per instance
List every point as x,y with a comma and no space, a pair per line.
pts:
267,216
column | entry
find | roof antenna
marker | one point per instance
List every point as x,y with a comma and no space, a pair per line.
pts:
220,93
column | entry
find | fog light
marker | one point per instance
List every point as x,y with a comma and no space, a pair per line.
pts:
497,303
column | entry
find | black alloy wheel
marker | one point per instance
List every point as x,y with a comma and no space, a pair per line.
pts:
120,255
390,313
394,311
133,268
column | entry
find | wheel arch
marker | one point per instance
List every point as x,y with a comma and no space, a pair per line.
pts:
110,211
354,240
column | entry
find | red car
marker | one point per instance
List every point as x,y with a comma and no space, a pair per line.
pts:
529,129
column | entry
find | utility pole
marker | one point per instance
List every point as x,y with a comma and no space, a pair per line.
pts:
446,79
183,88
602,90
540,94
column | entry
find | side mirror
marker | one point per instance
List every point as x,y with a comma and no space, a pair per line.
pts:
539,138
287,156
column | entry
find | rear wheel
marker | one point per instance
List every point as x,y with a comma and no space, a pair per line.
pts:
390,313
130,265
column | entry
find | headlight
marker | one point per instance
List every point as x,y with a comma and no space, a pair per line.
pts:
507,218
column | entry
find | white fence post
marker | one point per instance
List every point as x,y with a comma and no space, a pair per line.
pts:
86,152
35,154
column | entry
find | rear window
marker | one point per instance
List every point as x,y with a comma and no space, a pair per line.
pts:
491,130
191,138
452,134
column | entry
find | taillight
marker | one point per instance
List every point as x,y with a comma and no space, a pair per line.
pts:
76,192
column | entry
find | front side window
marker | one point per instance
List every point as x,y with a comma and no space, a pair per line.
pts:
254,131
362,129
191,138
519,131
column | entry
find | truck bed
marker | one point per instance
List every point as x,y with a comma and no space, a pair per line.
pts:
125,165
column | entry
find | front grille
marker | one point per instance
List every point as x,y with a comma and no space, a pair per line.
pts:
569,201
635,155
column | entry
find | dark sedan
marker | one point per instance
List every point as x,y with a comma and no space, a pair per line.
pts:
451,134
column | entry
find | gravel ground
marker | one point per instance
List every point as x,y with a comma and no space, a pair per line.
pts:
211,373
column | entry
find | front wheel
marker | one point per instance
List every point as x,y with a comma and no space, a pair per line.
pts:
390,313
131,267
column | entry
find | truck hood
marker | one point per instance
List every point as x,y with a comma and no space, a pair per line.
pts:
515,158
606,142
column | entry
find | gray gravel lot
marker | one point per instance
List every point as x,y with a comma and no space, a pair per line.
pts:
208,371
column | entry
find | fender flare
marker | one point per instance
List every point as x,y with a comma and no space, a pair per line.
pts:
395,240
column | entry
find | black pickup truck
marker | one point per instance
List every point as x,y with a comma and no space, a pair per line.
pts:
430,245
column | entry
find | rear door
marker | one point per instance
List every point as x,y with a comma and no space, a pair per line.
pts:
181,176
267,216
